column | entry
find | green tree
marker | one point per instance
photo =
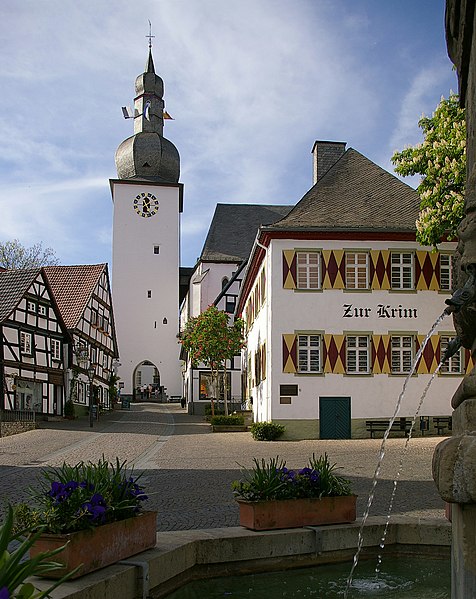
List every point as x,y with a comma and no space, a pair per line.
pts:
14,255
441,160
211,340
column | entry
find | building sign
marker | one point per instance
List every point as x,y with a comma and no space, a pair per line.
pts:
381,311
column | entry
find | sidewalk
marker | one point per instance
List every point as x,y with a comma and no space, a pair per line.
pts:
188,470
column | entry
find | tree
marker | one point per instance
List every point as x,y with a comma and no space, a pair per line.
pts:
209,339
441,160
14,255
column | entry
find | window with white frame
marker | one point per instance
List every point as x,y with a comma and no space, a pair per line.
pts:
308,270
55,349
358,354
446,264
402,352
25,343
309,353
453,365
41,310
356,270
401,270
31,306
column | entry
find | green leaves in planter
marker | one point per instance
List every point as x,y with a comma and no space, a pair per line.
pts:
233,420
15,567
71,498
272,480
266,431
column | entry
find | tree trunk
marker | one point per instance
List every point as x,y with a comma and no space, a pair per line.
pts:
225,388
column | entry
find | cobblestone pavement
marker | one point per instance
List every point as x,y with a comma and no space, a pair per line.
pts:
188,470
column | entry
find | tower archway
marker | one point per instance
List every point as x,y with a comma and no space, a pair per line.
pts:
146,382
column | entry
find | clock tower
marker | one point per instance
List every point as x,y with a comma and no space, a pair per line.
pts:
147,200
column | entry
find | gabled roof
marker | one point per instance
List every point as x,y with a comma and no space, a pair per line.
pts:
72,286
355,194
233,230
13,286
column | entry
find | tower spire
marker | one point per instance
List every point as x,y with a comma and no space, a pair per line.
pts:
148,154
150,36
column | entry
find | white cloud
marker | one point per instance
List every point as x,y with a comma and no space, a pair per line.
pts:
251,85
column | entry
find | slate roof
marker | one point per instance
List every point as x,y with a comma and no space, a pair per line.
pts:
355,194
13,286
233,230
72,286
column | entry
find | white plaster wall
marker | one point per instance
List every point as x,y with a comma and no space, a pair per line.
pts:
136,269
372,395
204,293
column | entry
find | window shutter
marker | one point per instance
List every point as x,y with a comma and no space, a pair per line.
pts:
289,269
289,353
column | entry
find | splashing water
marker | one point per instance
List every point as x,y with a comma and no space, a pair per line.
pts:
382,449
400,466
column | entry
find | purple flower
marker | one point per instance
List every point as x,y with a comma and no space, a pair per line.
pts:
4,593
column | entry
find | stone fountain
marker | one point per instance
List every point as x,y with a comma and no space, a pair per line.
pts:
454,461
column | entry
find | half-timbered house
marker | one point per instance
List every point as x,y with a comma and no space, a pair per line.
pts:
32,344
83,296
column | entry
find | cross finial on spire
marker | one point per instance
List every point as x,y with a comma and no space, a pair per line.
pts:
150,36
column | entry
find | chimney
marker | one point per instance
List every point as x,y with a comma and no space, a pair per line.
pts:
325,155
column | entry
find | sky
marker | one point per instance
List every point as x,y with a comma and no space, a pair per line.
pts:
251,84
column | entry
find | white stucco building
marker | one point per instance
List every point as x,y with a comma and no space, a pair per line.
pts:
337,298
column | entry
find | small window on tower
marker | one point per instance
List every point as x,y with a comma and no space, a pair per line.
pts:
149,293
156,249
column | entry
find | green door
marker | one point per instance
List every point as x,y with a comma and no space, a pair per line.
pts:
334,417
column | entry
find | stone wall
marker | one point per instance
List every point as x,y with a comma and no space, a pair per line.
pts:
14,428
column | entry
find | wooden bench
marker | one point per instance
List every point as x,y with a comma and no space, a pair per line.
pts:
441,423
400,425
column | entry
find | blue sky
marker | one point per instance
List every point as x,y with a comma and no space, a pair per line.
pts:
251,85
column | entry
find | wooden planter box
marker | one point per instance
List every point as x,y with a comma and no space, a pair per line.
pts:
98,547
294,513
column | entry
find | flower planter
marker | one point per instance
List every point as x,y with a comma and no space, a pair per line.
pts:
229,428
294,513
102,546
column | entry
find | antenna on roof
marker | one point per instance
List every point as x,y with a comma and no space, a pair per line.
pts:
150,36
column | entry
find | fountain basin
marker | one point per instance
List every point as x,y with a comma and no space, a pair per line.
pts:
182,556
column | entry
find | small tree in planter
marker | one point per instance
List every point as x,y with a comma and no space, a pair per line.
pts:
208,338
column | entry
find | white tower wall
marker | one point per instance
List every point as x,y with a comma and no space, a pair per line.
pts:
146,283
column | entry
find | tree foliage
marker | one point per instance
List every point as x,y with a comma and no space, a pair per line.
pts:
211,340
441,160
14,255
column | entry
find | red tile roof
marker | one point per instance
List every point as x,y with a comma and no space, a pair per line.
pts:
72,287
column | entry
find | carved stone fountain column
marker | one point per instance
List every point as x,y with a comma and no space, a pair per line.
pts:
454,460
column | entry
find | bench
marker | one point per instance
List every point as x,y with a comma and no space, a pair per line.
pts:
400,425
441,423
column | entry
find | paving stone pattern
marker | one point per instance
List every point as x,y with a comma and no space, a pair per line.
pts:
188,470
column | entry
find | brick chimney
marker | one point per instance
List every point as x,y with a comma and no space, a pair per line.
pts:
325,155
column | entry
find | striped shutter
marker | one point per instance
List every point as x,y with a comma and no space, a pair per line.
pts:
289,352
289,269
427,271
381,354
380,269
333,269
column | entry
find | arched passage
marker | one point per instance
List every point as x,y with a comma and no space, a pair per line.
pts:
146,382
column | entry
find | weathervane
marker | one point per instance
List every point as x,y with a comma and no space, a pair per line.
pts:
150,36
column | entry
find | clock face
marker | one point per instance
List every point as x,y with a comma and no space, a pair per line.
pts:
146,204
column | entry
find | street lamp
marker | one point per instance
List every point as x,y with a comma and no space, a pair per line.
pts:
91,372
